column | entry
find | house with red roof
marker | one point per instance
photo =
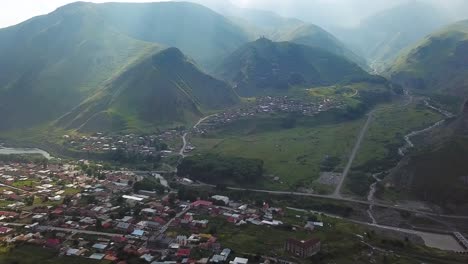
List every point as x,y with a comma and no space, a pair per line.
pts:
52,243
183,252
202,203
159,220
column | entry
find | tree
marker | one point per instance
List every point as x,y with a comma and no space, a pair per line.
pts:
29,200
98,224
66,200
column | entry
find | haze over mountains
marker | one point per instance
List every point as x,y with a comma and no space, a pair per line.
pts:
105,66
381,37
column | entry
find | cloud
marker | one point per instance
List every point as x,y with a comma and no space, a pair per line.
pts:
321,12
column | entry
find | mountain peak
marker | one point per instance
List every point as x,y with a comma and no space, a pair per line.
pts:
263,40
169,54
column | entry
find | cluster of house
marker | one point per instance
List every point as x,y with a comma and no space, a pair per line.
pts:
20,182
269,105
141,144
105,218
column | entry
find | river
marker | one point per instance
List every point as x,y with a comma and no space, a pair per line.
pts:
408,143
429,238
17,151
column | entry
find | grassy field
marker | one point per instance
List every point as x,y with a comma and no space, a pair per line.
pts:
379,149
294,155
390,124
25,183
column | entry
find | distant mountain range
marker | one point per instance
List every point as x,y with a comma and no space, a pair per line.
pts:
109,66
260,23
122,66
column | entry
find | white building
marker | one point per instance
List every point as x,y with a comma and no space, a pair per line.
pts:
225,199
238,260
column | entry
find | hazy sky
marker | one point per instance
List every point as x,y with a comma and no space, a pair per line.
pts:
339,12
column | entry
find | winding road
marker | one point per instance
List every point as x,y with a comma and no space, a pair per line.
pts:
184,136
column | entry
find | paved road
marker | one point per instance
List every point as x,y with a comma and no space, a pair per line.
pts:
337,192
166,226
348,200
79,231
184,145
12,187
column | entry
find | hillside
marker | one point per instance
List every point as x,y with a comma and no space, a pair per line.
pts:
437,172
381,37
163,89
264,66
50,63
438,64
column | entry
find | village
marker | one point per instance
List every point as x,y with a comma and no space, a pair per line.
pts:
122,215
269,105
149,145
163,143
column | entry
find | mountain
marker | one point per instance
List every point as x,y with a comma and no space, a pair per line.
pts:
437,173
260,23
381,37
199,32
63,61
314,36
52,62
438,64
264,66
166,88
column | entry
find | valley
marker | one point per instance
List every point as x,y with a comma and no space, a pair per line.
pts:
176,132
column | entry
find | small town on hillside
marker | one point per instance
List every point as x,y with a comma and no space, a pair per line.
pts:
269,105
84,210
162,143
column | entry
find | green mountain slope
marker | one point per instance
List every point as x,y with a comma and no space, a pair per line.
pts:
264,66
439,63
50,63
163,89
57,64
